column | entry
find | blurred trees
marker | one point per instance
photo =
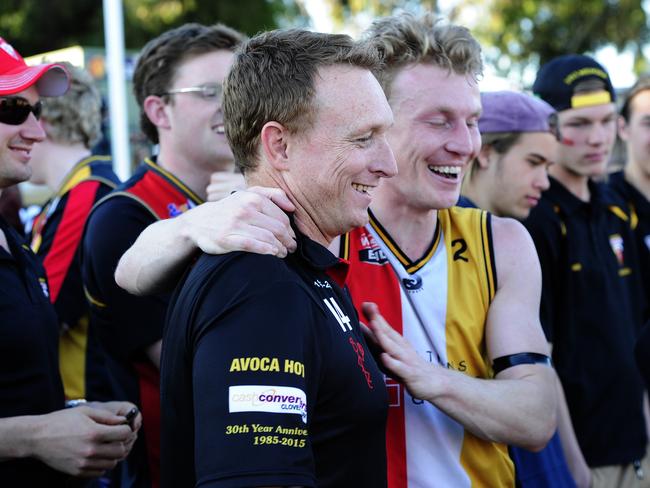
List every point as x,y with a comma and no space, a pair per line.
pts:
531,31
34,26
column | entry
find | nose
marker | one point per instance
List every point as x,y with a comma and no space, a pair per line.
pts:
462,140
383,163
31,129
599,134
541,180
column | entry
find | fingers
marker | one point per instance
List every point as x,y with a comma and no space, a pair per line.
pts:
277,196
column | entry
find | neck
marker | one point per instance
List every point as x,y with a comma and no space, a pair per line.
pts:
193,176
638,178
411,228
61,159
472,189
302,217
577,184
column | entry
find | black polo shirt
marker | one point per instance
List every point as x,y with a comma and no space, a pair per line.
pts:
640,206
30,383
591,312
267,379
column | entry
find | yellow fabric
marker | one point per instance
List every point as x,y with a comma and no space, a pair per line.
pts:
472,286
589,99
72,359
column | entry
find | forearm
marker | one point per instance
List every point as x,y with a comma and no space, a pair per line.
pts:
157,258
16,434
574,457
519,410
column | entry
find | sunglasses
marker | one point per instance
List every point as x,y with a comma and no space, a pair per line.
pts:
15,110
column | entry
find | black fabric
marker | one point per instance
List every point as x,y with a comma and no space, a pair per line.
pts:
29,370
591,311
238,307
640,205
505,362
122,323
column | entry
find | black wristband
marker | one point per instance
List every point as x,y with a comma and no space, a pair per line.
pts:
505,362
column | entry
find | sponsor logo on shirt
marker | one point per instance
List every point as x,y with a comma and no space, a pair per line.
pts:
616,241
265,398
413,284
370,251
175,210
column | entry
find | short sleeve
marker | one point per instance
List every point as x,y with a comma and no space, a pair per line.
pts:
255,380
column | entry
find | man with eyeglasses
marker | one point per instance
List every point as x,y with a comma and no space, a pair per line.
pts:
41,443
177,83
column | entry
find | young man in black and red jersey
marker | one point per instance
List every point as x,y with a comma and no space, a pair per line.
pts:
41,443
63,161
177,83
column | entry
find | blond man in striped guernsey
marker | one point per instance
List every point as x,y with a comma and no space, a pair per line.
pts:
460,288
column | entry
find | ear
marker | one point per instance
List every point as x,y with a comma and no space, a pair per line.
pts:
484,156
274,139
154,107
622,128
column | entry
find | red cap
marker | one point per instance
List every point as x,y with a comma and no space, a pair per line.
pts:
51,80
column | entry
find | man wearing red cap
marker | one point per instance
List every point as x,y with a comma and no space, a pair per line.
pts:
41,443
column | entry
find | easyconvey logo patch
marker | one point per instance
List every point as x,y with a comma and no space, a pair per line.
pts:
265,398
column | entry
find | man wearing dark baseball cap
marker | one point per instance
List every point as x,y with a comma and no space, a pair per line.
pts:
41,443
591,292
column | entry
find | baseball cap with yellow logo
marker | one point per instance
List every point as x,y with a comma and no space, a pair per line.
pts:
561,83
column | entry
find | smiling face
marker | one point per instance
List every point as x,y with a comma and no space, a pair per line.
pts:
337,163
514,181
16,144
588,136
195,121
435,135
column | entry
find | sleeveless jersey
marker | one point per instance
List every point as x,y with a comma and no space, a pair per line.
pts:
440,304
56,237
155,194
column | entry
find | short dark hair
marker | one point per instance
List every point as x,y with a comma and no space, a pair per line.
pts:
159,60
272,79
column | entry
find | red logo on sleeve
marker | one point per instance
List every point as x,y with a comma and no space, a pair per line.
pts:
361,354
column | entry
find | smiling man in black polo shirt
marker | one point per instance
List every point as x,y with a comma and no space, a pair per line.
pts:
266,377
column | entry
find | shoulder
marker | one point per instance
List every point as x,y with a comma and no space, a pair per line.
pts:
250,270
513,247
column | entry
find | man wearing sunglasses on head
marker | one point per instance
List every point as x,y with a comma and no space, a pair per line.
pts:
41,443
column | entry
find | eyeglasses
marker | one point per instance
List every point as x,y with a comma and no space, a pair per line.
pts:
209,91
15,110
